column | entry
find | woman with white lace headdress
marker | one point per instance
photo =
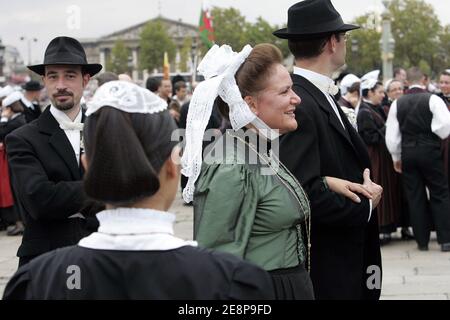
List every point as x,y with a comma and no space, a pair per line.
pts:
245,201
132,167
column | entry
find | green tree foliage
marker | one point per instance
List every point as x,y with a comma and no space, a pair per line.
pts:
229,27
363,46
416,28
185,54
118,61
442,56
419,39
154,42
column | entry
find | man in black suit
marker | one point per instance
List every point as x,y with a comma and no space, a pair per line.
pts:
44,155
345,252
30,100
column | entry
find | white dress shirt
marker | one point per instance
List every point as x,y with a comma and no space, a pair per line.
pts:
74,135
27,103
324,84
327,87
440,124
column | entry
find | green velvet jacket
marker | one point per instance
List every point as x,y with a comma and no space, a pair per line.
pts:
240,209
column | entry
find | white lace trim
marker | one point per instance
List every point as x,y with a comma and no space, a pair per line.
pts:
219,67
125,96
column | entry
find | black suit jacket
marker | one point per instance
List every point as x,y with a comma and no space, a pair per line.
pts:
344,243
31,114
47,184
10,126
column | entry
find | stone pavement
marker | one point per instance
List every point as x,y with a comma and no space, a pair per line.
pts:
408,274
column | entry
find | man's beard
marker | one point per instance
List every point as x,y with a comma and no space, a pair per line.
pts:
66,105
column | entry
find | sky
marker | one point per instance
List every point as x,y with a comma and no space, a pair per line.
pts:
45,19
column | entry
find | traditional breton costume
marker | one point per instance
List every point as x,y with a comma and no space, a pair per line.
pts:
344,234
372,129
44,158
416,124
9,213
134,254
256,209
346,106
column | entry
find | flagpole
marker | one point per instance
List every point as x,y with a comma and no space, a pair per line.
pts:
194,60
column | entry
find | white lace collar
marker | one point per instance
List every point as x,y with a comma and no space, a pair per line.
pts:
324,83
132,229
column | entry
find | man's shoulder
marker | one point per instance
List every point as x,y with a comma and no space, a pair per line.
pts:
26,130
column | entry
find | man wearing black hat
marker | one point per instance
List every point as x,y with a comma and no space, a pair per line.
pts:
44,155
30,100
345,252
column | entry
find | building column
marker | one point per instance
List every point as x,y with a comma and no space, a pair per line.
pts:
103,59
135,73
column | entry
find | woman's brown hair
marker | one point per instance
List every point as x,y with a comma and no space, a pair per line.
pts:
253,74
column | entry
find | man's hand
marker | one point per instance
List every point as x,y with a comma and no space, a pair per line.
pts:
398,166
348,189
375,189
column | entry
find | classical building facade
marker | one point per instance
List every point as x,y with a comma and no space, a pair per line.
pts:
98,50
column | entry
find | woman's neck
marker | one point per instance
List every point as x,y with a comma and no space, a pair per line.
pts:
153,202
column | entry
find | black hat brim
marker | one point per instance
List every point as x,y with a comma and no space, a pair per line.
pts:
91,68
24,87
285,34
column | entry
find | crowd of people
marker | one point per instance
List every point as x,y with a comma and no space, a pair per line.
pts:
304,180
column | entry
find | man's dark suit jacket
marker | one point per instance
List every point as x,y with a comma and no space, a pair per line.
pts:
47,184
11,125
31,114
344,243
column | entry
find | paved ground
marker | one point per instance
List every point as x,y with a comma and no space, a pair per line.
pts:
408,273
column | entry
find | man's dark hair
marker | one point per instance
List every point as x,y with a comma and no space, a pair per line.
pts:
105,77
310,48
179,84
397,71
153,84
415,75
126,152
16,107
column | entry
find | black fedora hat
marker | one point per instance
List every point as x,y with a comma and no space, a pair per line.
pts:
65,51
313,18
32,86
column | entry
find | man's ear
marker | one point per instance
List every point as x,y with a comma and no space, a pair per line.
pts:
86,78
251,101
84,162
332,44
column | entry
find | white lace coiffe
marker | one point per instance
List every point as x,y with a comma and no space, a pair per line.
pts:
125,96
219,67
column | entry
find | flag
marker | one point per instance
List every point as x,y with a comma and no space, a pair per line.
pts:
166,67
206,30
